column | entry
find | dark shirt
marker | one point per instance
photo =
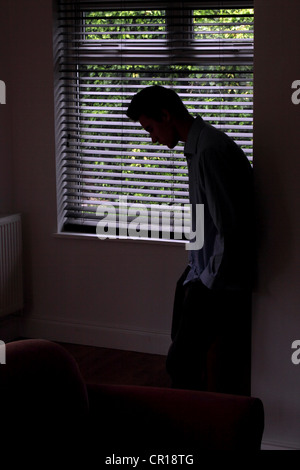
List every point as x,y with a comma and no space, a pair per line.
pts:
220,177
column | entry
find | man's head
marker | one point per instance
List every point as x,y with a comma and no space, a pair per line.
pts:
161,113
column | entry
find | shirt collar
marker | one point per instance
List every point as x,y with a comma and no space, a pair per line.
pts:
193,135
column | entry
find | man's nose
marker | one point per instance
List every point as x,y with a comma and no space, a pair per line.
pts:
154,139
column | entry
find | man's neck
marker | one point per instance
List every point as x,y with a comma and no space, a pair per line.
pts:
183,128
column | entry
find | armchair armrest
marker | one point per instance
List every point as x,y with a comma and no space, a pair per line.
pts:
166,420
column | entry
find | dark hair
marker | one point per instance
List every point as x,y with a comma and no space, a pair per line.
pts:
152,100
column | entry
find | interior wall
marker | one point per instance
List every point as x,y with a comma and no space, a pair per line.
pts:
6,193
9,326
276,315
120,294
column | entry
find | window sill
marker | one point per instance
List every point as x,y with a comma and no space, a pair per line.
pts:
91,236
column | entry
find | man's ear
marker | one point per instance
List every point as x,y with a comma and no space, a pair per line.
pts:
166,115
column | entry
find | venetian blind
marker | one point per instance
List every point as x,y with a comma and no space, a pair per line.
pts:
105,53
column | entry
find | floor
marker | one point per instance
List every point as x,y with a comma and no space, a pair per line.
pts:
111,366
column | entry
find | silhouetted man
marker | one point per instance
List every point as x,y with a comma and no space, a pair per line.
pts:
210,335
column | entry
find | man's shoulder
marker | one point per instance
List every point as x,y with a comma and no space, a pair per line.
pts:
206,139
213,138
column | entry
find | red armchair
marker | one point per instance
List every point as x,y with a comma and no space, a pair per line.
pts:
41,389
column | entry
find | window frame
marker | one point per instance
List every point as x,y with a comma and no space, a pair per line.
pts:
89,227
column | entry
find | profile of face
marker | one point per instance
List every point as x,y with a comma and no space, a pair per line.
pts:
163,132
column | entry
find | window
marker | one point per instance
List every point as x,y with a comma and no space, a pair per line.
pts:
104,54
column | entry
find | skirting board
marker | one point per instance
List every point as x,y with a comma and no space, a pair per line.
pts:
266,445
97,335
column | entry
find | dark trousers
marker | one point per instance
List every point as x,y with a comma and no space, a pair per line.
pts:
211,339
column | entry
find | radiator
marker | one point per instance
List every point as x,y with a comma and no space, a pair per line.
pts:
11,285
